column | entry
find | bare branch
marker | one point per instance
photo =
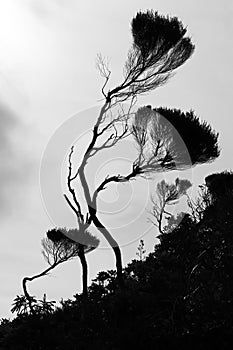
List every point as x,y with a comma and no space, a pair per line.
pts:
114,137
77,210
71,205
104,71
115,178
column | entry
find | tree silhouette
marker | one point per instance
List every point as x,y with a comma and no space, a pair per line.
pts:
163,136
59,248
167,194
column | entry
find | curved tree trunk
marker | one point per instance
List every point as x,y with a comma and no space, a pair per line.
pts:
26,279
92,207
84,270
102,228
115,247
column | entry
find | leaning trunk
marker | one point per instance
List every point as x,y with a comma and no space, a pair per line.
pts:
84,270
96,221
120,279
115,247
26,279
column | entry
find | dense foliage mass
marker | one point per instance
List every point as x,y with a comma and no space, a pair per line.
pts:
180,294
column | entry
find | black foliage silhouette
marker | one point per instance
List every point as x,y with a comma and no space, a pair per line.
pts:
159,47
73,238
220,185
169,139
202,146
153,33
179,296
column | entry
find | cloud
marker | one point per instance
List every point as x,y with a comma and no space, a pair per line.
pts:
15,166
44,9
7,121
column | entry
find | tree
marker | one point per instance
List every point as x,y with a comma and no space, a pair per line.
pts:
59,248
167,194
159,47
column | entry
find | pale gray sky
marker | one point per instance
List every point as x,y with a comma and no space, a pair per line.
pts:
47,74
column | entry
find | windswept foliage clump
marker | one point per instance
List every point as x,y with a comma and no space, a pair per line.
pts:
62,244
202,146
169,139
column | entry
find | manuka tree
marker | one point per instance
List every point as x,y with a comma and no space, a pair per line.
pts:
166,139
59,246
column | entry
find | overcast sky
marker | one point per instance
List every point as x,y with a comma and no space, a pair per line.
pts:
47,75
